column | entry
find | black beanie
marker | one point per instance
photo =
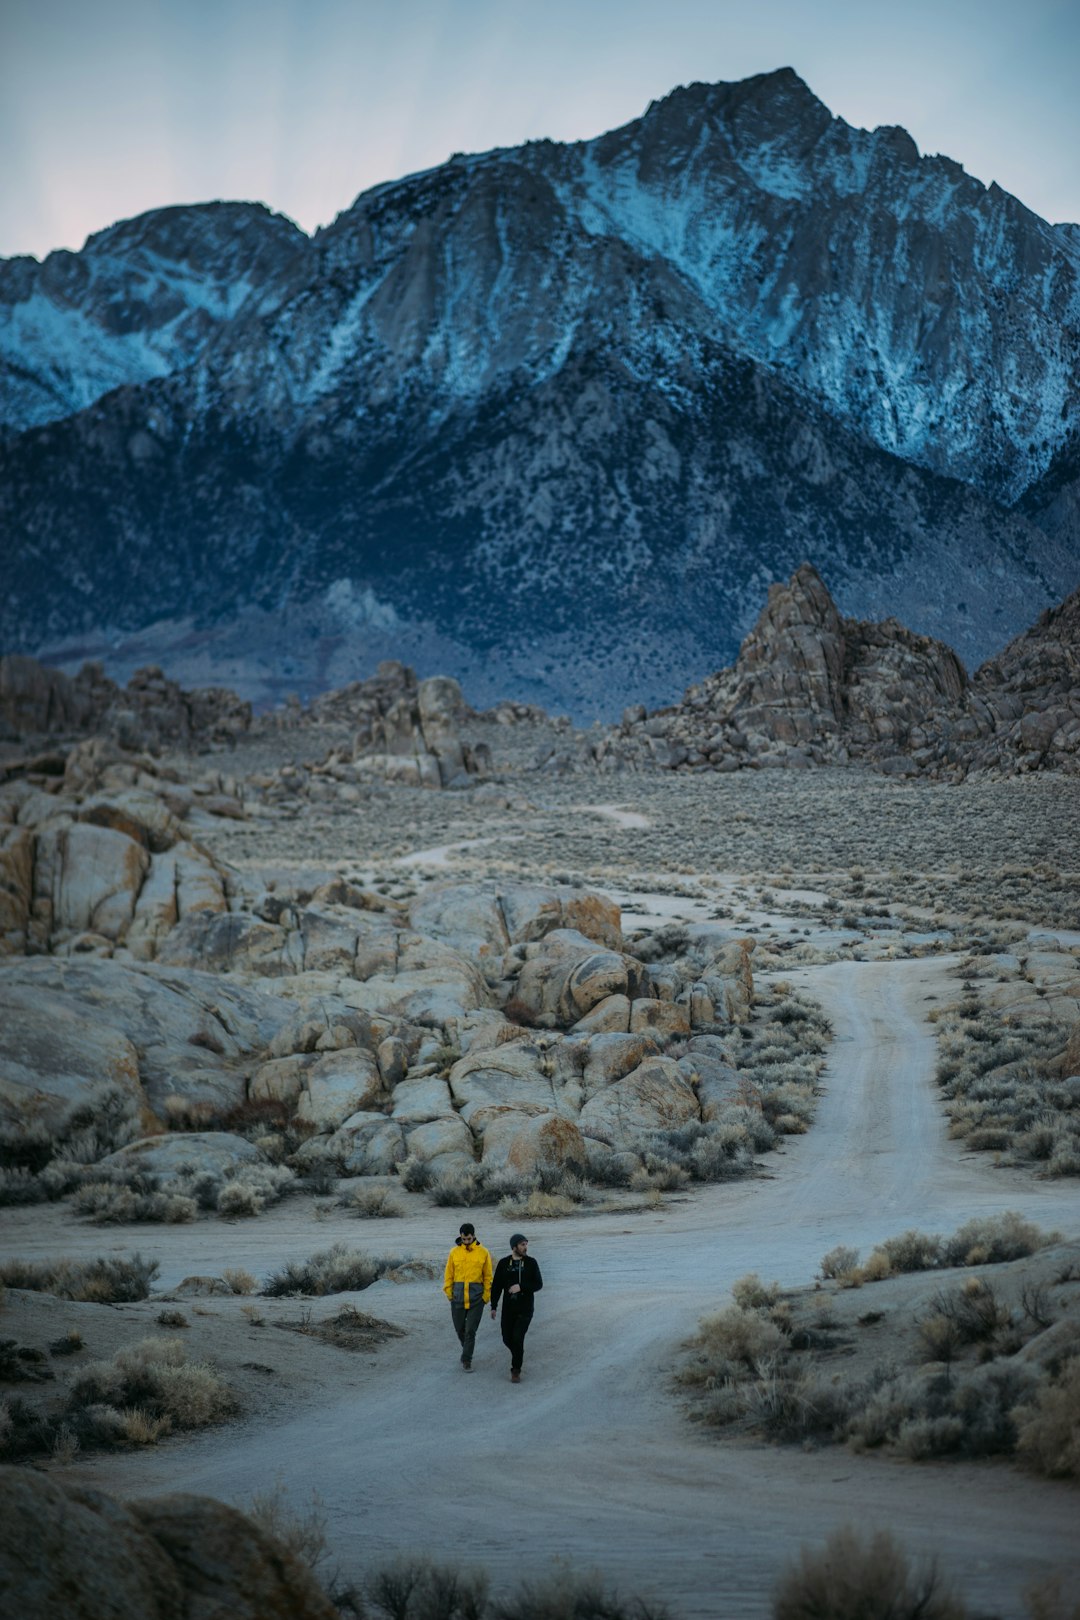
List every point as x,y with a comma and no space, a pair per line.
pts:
516,1238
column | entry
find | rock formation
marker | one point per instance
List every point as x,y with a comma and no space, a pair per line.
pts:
150,712
502,1025
811,687
85,1555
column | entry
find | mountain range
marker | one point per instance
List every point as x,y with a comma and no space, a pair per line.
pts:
551,418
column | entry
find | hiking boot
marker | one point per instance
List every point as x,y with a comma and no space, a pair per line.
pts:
515,1376
466,1366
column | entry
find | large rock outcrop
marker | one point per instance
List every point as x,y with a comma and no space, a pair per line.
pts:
150,712
84,1555
811,687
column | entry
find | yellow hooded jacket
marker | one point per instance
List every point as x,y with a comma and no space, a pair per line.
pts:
469,1270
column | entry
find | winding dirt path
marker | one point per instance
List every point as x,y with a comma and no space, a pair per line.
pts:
591,1459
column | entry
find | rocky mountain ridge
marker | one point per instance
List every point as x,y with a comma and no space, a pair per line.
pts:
475,420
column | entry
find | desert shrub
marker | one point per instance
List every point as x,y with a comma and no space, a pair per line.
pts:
172,1319
153,1379
420,1589
239,1280
989,1239
856,1578
875,1269
939,1335
933,1415
741,1338
371,1203
22,1364
507,1182
911,1251
566,1596
19,1185
301,1530
792,1406
107,1203
68,1344
1002,1086
536,1206
458,1189
24,1430
759,1135
713,1150
336,1270
109,1282
974,1311
663,1174
415,1174
1048,1430
751,1294
840,1262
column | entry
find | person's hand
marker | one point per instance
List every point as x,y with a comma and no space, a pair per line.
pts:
515,1288
493,1313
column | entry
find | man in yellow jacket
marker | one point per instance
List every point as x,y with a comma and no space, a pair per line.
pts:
467,1285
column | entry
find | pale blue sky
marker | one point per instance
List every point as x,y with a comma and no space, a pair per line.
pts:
110,107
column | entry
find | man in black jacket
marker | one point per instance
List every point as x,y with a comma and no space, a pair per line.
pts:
517,1278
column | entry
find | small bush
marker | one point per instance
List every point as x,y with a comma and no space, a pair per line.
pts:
740,1337
1048,1430
372,1203
172,1319
570,1597
989,1239
302,1531
857,1579
107,1282
751,1294
239,1281
663,1174
107,1203
538,1206
155,1380
415,1174
69,1344
335,1270
418,1589
840,1262
457,1189
974,1311
912,1251
251,1188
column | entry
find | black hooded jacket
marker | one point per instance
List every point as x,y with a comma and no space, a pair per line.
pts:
511,1270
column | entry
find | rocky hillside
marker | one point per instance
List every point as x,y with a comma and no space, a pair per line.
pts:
809,687
143,299
478,420
812,687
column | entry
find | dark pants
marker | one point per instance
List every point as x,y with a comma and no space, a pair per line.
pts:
515,1325
466,1323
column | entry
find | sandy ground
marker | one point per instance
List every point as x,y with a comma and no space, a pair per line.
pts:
591,1459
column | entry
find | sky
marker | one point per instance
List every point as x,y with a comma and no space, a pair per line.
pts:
111,107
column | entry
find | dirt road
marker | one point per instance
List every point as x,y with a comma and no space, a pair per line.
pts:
590,1459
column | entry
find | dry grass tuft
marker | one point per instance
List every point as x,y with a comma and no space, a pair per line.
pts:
336,1270
106,1282
857,1578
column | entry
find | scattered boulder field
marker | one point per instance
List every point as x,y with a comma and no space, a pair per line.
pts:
500,1025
